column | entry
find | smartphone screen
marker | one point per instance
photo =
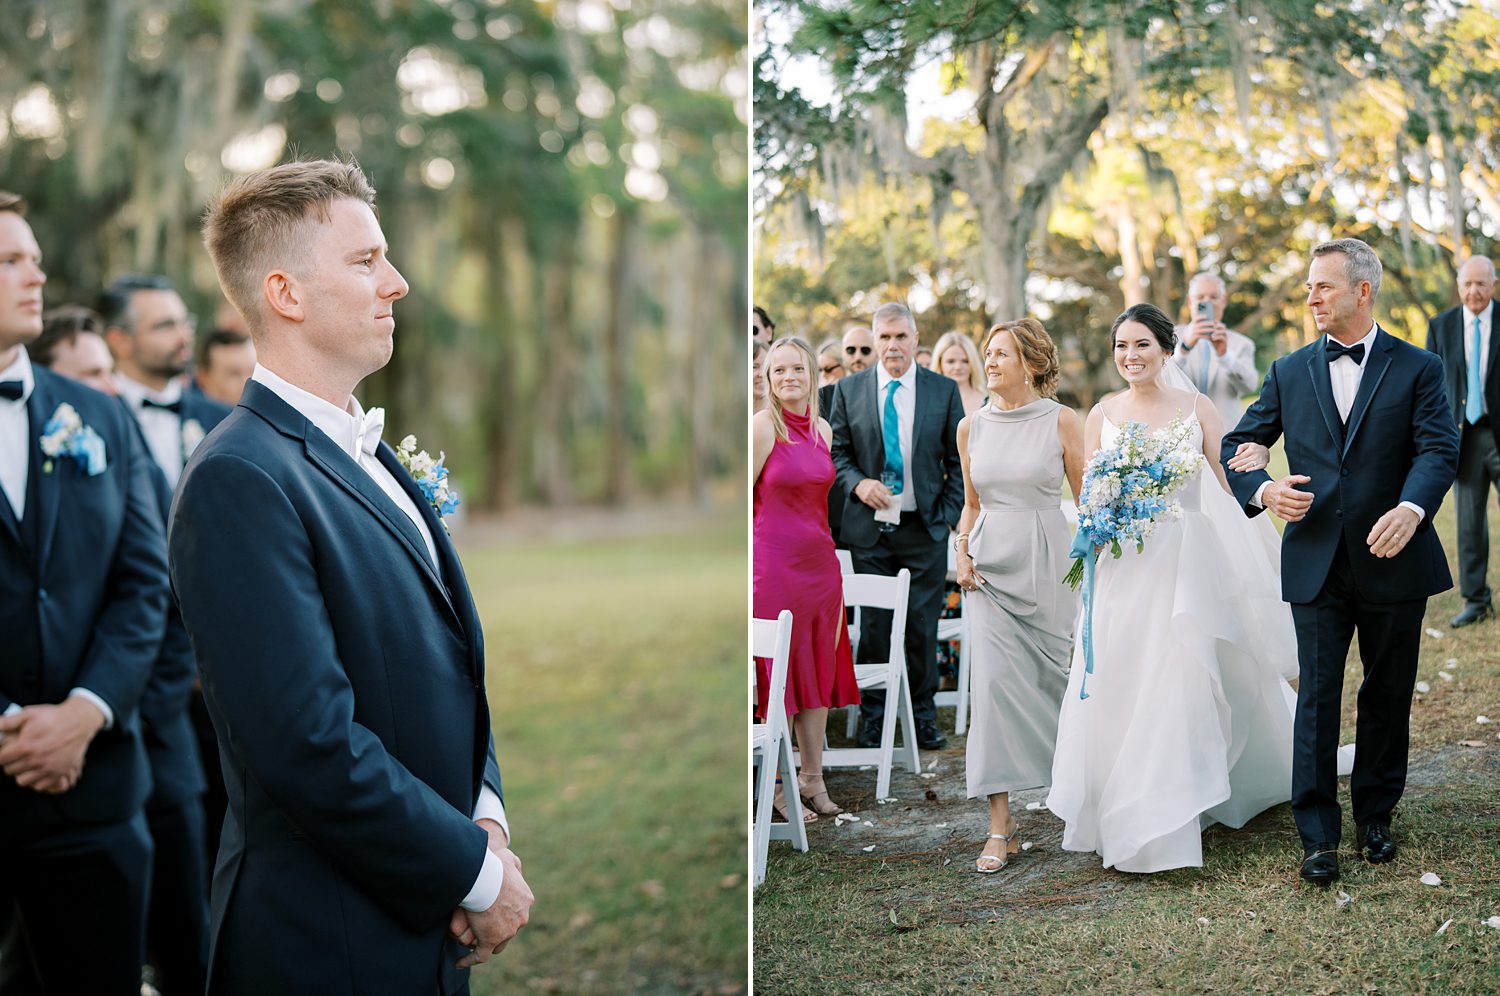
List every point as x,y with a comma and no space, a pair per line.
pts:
1204,309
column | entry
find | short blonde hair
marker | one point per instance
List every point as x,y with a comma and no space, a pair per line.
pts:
14,203
774,405
257,224
1038,352
976,365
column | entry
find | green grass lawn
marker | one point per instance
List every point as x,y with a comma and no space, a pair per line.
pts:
910,915
617,682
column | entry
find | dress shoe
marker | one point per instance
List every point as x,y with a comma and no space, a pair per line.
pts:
869,734
1472,614
1320,863
929,737
1376,845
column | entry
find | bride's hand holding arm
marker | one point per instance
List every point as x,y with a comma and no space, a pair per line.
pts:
967,575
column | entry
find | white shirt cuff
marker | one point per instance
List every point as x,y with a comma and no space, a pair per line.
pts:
11,709
1406,504
489,807
487,886
1255,498
98,703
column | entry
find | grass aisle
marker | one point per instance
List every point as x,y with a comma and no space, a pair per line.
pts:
617,686
910,915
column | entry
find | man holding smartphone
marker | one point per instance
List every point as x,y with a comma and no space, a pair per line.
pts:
1219,360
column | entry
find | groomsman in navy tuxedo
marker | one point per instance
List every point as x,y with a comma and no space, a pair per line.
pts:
150,334
366,848
895,448
83,594
1372,449
1463,339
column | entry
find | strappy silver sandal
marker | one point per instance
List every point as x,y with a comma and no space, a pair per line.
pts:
1003,858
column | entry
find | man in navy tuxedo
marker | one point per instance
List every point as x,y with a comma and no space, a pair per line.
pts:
150,335
1372,449
1464,340
365,849
83,594
908,435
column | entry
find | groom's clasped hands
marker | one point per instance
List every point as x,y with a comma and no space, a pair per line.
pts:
487,933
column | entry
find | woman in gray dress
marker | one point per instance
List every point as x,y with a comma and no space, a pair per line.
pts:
1012,547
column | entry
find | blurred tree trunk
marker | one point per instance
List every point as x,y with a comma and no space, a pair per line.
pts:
557,372
497,402
616,357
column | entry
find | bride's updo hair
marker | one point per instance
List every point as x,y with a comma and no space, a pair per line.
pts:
1154,319
1038,352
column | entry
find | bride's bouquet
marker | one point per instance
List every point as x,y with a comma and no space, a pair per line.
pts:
1129,487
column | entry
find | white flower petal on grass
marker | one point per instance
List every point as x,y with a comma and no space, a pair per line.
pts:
868,823
1444,928
1343,900
1423,687
1428,878
947,862
1451,662
882,802
1445,676
1036,805
1027,846
1436,634
1493,921
843,818
1483,720
928,774
1203,921
867,850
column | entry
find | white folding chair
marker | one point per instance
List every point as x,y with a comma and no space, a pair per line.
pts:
771,747
956,628
878,591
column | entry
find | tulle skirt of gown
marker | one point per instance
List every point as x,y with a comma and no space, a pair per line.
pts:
1189,717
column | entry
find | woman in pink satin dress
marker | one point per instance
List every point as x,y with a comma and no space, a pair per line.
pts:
795,565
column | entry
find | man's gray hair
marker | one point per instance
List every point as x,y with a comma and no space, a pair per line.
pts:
893,312
1360,262
1209,275
1489,265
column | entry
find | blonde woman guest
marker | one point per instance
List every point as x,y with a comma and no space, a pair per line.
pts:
956,358
1012,545
795,566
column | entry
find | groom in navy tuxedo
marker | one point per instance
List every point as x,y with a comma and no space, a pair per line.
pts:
365,849
1372,450
83,596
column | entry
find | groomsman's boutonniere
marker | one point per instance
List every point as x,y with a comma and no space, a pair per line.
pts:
431,476
65,435
192,435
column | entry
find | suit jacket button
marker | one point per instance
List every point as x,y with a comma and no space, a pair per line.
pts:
41,595
1343,471
1339,513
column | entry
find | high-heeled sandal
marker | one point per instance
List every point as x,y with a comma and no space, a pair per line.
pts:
1003,858
778,803
818,801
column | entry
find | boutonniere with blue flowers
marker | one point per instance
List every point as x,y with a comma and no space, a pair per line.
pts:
431,477
192,435
65,435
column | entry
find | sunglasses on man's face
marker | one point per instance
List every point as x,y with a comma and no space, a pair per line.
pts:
861,350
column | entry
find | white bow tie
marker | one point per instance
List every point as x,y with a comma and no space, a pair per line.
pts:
367,436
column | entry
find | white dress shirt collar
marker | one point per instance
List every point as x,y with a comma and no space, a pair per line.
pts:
1485,315
135,393
1368,340
19,369
340,425
883,376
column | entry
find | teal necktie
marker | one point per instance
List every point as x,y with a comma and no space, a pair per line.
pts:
1474,409
891,429
1203,370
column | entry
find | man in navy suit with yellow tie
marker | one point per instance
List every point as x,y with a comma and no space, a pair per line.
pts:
366,848
83,595
1372,450
1464,339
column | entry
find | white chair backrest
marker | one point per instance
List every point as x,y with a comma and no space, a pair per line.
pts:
773,638
880,591
846,561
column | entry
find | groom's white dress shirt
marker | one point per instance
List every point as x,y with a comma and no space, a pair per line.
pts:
15,470
1345,374
161,427
344,427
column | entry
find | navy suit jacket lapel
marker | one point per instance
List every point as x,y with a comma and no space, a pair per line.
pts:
44,489
456,588
1376,365
8,523
326,455
875,425
1317,368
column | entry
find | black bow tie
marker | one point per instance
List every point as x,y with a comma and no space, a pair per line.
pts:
175,407
1356,352
11,390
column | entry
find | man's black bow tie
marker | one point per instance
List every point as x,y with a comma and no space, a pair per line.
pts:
1355,352
11,390
175,407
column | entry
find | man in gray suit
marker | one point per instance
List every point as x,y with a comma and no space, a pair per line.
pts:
1219,360
1462,337
895,447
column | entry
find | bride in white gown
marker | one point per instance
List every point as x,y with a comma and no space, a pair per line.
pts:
1188,719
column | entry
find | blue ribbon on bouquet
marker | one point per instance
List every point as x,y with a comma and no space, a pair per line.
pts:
1083,550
